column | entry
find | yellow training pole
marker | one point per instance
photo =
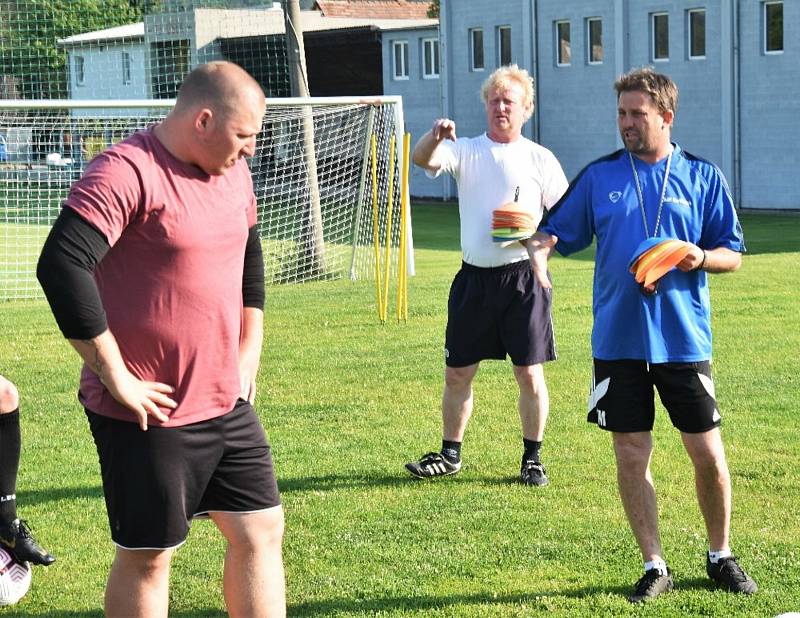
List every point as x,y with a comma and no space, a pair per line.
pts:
406,216
388,247
375,234
402,271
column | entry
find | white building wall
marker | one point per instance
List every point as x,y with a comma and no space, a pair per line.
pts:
420,98
102,70
736,106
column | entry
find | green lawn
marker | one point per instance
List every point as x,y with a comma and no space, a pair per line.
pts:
346,401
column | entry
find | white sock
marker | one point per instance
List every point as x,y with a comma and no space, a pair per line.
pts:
716,556
658,563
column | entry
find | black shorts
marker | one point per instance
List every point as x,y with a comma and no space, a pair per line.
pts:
492,312
622,397
156,481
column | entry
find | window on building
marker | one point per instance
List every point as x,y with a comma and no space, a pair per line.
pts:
504,45
169,65
660,36
594,40
563,50
697,33
400,59
773,27
79,70
126,67
430,58
476,49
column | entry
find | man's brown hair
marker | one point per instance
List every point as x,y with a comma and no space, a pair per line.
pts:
661,88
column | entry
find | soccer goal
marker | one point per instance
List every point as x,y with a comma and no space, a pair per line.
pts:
325,195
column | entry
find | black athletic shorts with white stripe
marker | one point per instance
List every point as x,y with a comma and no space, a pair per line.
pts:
623,399
494,312
156,481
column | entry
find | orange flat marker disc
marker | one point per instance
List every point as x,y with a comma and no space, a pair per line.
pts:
649,258
666,263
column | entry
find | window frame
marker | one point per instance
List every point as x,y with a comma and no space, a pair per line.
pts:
765,32
400,44
436,59
589,46
690,33
472,48
499,33
125,59
557,34
653,17
80,70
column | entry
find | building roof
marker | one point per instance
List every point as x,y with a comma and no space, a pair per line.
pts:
312,21
379,9
315,21
129,31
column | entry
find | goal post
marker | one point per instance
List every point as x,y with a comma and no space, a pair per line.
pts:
47,144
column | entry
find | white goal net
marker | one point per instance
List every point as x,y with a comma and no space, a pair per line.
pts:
319,211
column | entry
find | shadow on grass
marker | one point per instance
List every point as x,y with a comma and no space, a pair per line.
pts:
694,583
441,603
337,481
43,496
333,482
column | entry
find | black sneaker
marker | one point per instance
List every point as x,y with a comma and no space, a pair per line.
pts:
16,537
433,465
532,473
652,583
729,575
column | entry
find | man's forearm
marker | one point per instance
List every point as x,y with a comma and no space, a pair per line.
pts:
101,354
721,260
252,331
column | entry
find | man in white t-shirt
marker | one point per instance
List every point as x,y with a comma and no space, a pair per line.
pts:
496,307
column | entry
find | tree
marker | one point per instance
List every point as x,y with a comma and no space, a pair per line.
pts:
30,29
433,9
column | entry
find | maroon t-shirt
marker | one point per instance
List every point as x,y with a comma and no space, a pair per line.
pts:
171,284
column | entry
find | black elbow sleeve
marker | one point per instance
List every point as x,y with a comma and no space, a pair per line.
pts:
65,271
253,292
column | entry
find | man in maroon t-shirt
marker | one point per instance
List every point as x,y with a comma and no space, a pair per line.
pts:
155,275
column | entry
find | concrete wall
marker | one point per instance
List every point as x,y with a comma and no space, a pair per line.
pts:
421,97
576,103
770,85
735,105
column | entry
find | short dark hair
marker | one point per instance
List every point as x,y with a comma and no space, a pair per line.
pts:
661,88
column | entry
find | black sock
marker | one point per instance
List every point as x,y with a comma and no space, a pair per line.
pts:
451,451
10,446
532,448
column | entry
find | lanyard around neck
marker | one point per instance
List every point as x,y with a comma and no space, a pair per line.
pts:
641,197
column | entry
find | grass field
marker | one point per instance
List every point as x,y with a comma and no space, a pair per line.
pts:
347,401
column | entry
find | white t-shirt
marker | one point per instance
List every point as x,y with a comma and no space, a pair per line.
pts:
488,174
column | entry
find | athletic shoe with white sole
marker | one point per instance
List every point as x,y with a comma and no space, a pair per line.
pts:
432,465
532,473
650,585
729,575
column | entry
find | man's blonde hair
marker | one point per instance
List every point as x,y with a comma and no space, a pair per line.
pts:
503,78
